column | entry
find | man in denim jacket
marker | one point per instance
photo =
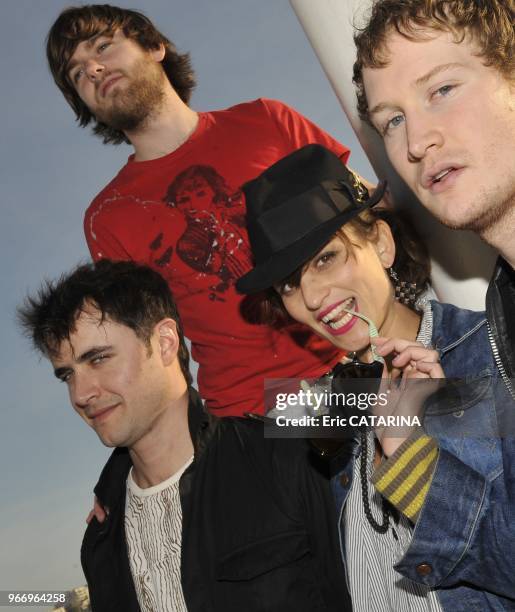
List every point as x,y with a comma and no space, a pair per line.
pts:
436,80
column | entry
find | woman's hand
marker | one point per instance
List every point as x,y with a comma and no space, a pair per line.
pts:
98,512
412,358
406,395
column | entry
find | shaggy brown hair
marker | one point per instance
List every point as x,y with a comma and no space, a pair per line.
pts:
77,24
489,23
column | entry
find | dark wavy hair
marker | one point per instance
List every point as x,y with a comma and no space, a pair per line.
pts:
411,264
489,23
77,24
128,293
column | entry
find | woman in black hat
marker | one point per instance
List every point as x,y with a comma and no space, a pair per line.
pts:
325,257
321,249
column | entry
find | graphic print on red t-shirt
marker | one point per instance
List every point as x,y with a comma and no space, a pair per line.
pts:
184,215
214,240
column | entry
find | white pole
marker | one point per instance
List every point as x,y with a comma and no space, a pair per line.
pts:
462,263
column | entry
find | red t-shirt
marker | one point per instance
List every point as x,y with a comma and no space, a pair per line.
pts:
183,214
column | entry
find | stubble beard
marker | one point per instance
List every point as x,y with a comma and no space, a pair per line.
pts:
497,226
487,213
132,106
490,211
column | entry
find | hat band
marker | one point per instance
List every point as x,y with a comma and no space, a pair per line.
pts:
305,212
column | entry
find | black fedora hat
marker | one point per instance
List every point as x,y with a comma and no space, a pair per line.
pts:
294,207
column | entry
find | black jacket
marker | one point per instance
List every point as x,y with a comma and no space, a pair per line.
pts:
500,312
258,533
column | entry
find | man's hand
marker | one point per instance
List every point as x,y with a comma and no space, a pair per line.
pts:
98,511
410,361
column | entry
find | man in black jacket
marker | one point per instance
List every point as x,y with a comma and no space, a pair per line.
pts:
202,513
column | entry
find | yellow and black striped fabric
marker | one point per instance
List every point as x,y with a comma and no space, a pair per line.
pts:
405,477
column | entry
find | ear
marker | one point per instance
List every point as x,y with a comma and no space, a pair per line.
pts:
166,333
385,244
159,53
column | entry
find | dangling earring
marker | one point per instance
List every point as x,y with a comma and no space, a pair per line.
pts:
405,293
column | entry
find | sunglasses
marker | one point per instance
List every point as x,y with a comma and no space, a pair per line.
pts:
340,376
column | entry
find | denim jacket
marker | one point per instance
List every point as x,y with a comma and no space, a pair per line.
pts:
463,543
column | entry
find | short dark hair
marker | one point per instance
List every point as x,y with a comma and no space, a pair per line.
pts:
128,293
488,22
77,24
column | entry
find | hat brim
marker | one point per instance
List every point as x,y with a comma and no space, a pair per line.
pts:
283,263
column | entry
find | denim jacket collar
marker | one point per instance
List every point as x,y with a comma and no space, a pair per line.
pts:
452,325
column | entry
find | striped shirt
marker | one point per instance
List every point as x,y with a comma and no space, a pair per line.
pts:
153,528
374,585
405,477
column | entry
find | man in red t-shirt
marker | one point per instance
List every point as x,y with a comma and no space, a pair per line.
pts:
177,205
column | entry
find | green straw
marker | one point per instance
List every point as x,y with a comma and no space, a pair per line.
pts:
372,332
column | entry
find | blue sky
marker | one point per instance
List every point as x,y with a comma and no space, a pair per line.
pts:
50,170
